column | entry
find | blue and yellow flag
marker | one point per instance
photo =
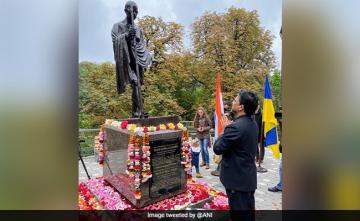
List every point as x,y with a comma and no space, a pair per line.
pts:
270,122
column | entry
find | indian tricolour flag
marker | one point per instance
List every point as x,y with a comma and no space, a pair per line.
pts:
219,107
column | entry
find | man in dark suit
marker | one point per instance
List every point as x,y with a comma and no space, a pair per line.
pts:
238,146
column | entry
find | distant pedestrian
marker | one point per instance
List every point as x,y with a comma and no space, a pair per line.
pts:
202,124
278,187
195,152
260,153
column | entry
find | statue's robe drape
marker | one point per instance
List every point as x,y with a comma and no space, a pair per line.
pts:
124,55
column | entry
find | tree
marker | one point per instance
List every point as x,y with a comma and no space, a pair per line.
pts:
103,100
161,37
234,44
275,82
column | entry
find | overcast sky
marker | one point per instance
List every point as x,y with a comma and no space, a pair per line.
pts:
98,16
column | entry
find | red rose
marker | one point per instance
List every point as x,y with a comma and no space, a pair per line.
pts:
146,130
124,124
158,128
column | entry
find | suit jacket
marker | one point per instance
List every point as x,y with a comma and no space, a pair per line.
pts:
238,146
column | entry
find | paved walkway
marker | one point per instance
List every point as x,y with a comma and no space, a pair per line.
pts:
264,200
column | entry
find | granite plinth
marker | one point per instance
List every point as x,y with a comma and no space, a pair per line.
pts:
168,176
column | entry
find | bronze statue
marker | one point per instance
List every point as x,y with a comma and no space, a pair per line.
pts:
131,57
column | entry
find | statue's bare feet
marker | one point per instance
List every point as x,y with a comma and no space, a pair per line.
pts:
133,78
136,115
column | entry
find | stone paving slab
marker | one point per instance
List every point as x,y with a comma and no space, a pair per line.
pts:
264,199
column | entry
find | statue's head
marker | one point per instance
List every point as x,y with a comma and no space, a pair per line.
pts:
131,6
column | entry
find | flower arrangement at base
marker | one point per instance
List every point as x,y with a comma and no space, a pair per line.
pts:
107,196
220,202
174,203
100,195
87,200
198,190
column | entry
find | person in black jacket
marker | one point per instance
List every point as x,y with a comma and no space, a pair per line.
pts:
260,153
238,145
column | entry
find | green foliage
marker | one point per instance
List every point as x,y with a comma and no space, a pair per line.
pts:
180,81
275,82
234,44
85,120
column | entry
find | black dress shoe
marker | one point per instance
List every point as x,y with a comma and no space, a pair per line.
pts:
215,173
274,189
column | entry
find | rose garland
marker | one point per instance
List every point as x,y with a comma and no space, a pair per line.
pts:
146,170
100,145
138,164
133,163
186,154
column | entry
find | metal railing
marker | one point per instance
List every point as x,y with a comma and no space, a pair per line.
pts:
87,148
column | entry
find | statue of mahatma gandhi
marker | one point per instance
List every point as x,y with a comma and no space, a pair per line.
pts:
131,57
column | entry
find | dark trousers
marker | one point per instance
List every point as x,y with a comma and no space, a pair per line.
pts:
260,152
195,160
242,205
219,166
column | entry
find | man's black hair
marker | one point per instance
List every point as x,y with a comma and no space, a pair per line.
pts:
250,101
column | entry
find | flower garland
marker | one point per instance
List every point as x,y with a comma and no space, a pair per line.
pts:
100,145
186,154
145,159
138,164
134,164
135,128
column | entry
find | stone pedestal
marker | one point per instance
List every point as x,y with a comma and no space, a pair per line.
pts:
168,175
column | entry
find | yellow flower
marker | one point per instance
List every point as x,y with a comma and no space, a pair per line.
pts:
180,125
108,121
171,126
131,127
152,128
162,127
